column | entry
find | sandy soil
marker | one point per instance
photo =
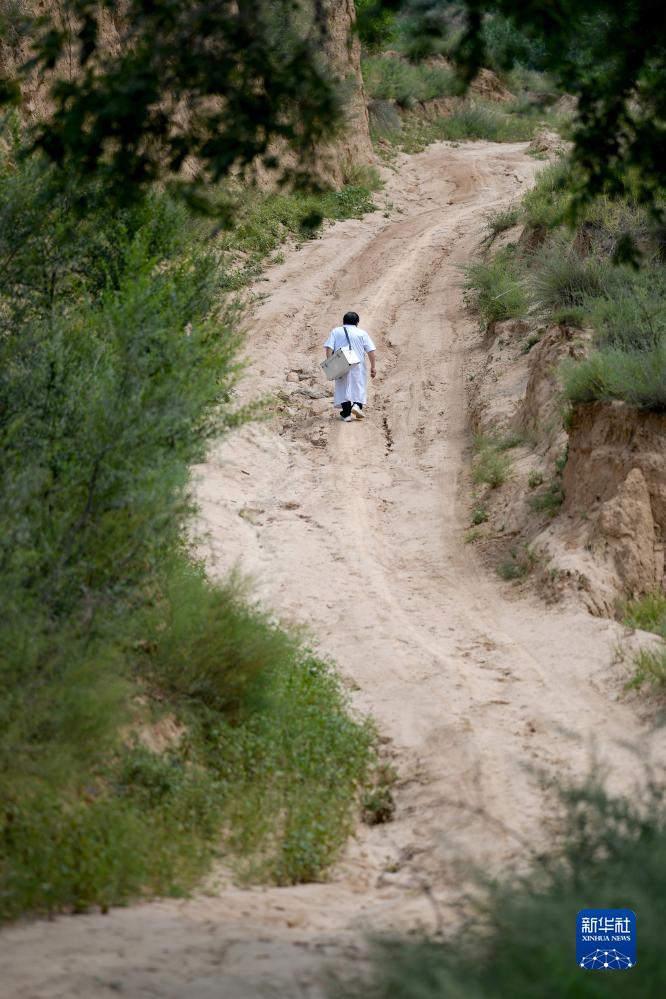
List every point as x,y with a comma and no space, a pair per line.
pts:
356,531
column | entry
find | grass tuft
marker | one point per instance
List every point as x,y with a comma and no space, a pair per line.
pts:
493,289
390,79
479,514
519,565
650,668
491,465
550,500
647,613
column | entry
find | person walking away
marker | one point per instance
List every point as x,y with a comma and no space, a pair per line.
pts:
351,389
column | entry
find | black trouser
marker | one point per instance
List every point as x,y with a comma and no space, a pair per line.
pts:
347,407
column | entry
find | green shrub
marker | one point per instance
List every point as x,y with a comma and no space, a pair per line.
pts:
530,342
630,313
269,767
470,121
479,515
535,479
476,121
494,290
550,500
506,45
216,649
563,281
647,613
491,464
376,29
378,805
497,222
406,83
513,569
263,222
611,852
545,205
117,366
637,377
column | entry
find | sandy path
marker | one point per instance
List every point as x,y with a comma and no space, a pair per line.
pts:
357,531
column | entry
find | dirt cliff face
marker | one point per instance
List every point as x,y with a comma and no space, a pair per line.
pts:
616,476
606,541
343,53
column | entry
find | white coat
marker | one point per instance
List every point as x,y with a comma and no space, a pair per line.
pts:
352,387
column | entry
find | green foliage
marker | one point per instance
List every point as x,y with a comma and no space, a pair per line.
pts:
491,465
105,405
574,278
216,648
263,222
583,48
389,78
530,342
376,27
499,221
117,365
647,613
630,311
550,500
518,565
534,479
650,668
477,121
494,289
563,281
479,514
611,851
506,46
268,766
627,309
414,132
637,377
545,205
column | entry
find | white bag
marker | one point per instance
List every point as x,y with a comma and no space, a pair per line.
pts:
339,363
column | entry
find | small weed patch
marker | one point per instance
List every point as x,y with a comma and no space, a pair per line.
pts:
647,613
550,500
650,668
500,221
518,565
377,802
479,514
530,342
493,289
491,467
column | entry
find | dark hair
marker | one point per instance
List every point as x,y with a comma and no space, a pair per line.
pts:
350,319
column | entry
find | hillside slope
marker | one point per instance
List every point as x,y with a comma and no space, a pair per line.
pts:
356,531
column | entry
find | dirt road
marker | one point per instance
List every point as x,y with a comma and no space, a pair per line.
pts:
357,531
